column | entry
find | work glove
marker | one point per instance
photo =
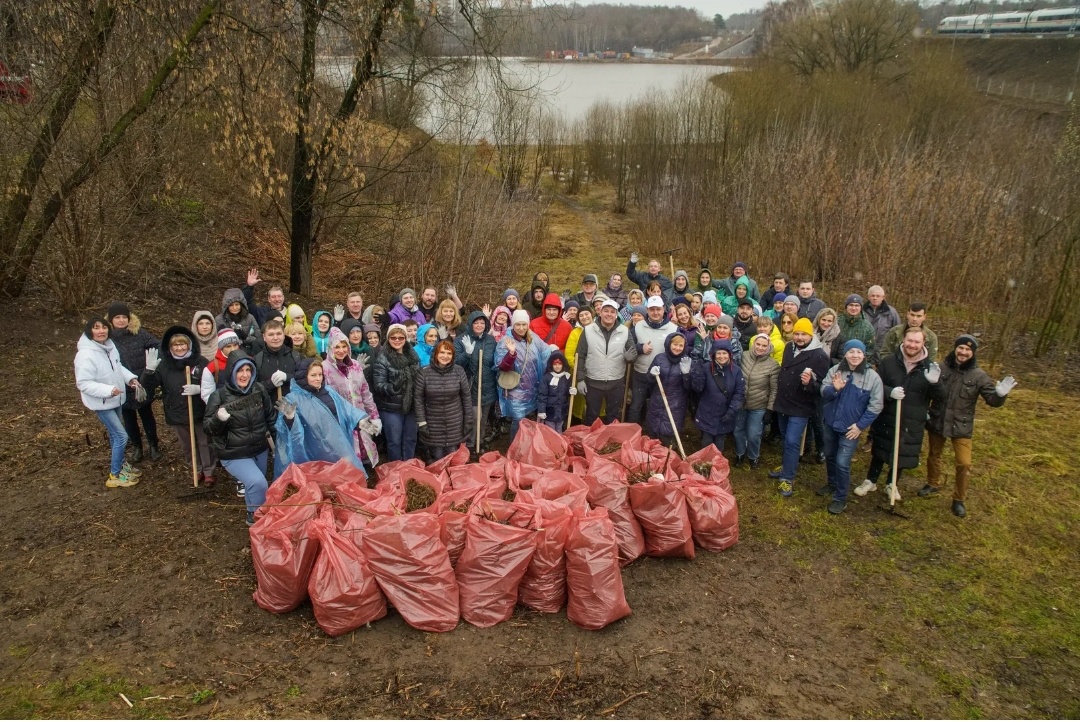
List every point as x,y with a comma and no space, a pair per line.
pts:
223,414
655,371
278,378
581,387
573,391
897,393
377,425
932,373
287,409
468,344
339,313
362,359
451,289
634,257
190,390
1004,386
153,359
368,427
140,393
684,364
541,416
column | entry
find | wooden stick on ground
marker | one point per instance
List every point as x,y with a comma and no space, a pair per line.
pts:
671,419
573,385
895,454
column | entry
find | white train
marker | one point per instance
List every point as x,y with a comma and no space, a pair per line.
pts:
1053,20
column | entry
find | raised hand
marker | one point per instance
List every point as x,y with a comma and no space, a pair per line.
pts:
838,382
253,276
1004,386
339,313
153,359
932,373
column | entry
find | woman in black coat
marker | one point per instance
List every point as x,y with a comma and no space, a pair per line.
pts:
443,402
132,341
393,382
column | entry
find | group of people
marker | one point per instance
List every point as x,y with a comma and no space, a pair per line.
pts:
363,382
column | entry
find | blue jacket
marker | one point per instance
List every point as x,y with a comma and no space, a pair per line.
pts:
678,387
859,402
470,362
424,350
519,402
554,400
722,396
316,434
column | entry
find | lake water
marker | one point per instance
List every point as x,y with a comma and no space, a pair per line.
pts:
462,106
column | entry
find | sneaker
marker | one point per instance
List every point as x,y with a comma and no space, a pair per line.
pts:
786,488
240,490
824,490
121,480
130,470
776,473
865,488
928,490
958,509
250,518
889,491
836,507
754,463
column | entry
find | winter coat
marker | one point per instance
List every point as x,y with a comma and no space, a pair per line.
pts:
268,361
894,339
582,300
810,307
315,433
952,412
857,328
777,342
170,376
729,302
252,414
646,332
770,294
859,402
918,393
762,376
98,371
529,360
603,355
400,314
552,333
723,393
349,382
618,295
702,348
424,350
794,398
393,378
484,343
261,314
726,287
132,343
243,323
442,399
529,304
678,387
553,399
882,318
207,346
643,278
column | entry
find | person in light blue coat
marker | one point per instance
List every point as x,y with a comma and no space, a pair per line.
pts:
315,422
426,338
520,351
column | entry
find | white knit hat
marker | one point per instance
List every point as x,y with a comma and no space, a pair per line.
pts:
520,316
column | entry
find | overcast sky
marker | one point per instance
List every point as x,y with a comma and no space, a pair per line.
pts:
708,8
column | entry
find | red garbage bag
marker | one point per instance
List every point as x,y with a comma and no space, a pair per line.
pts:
539,445
607,488
576,434
398,481
577,465
498,547
522,476
543,587
456,458
454,509
593,580
472,476
719,473
615,432
660,506
563,488
714,515
283,552
344,593
410,562
493,461
329,476
291,480
356,505
389,468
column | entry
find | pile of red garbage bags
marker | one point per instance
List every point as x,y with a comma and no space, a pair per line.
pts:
549,525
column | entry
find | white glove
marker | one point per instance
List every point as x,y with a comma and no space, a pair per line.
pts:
190,390
421,425
933,373
468,344
152,359
573,391
223,414
339,313
582,387
377,425
541,416
362,359
684,364
1004,386
634,257
897,393
286,408
655,370
368,427
140,393
278,377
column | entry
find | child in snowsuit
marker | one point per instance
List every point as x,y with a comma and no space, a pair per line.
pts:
553,401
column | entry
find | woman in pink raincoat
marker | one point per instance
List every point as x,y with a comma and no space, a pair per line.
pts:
346,376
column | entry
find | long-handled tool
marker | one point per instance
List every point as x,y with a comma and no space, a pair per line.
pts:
671,259
196,490
894,495
573,384
626,392
479,395
671,419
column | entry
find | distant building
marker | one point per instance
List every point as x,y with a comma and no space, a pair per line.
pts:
643,52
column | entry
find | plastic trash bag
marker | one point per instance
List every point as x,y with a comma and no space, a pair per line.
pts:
539,445
713,514
660,507
608,488
343,591
543,588
593,581
283,552
494,560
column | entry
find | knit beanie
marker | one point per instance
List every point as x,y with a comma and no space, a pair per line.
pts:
376,328
781,297
854,343
225,337
117,308
511,292
726,320
709,297
572,304
803,325
408,291
721,345
853,298
396,327
520,316
713,309
966,340
738,264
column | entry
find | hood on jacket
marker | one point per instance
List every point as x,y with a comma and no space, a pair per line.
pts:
667,347
553,299
473,318
420,333
88,329
213,326
166,341
303,316
743,281
230,297
683,275
334,337
315,321
556,356
815,342
236,360
502,309
347,326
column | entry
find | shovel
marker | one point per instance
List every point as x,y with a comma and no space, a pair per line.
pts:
196,491
671,259
893,495
671,419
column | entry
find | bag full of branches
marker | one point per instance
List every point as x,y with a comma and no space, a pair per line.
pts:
595,595
608,488
539,445
343,591
454,509
660,507
356,505
458,457
611,438
709,463
472,476
282,489
561,488
416,488
283,552
499,543
409,560
393,468
520,475
713,514
576,434
329,476
543,588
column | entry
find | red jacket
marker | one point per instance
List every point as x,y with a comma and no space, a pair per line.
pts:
557,333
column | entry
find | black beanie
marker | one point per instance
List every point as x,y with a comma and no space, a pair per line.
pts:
966,340
116,308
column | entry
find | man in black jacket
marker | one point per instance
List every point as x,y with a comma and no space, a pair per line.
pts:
276,362
275,298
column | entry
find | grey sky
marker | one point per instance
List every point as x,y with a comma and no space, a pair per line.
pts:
708,8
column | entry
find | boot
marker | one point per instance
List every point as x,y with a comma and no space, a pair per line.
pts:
155,455
136,453
738,461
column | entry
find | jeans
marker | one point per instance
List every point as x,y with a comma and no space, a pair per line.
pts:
718,441
251,472
838,452
792,428
608,394
118,438
748,429
400,431
131,424
641,387
557,426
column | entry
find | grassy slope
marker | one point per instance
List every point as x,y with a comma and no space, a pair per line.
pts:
1047,62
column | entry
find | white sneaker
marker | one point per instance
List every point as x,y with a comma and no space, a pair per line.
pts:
888,492
865,488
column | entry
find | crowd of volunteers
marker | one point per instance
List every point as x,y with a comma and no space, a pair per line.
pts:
416,377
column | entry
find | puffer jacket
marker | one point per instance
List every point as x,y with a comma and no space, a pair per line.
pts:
723,394
132,343
170,376
859,402
761,374
252,414
443,400
267,361
678,387
484,343
918,393
393,379
245,325
98,371
858,329
952,413
554,400
793,398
